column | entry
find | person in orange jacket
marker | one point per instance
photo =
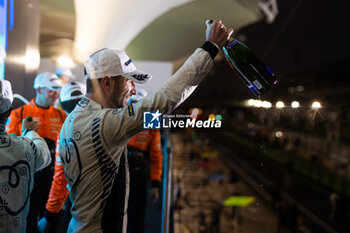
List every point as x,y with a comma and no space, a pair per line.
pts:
143,149
41,108
70,95
50,121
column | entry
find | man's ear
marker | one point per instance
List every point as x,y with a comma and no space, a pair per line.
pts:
39,90
107,82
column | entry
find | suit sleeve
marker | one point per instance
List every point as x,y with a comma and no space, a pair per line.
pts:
156,157
121,125
41,151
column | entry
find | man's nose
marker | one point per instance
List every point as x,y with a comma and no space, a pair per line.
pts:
133,88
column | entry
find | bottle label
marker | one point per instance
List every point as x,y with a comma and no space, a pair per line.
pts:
257,84
231,44
253,89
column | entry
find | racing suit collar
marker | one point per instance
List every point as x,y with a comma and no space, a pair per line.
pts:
40,107
87,102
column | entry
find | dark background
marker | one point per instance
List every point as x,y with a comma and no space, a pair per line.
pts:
308,45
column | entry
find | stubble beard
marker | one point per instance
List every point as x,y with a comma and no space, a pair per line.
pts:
117,98
121,92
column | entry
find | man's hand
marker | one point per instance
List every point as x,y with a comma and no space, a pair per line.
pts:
29,124
49,222
154,195
217,33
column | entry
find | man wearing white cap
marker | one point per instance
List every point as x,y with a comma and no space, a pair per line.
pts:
94,136
65,75
50,120
20,157
41,108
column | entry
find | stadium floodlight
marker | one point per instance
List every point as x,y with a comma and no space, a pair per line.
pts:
279,104
316,105
295,104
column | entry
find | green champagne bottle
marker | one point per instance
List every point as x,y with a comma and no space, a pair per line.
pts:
249,68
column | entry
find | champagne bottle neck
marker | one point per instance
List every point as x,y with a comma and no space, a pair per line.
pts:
230,43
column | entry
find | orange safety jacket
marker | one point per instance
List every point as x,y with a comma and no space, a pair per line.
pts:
50,120
147,140
58,192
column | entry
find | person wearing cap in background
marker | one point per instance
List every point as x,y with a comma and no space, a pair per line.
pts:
145,160
65,75
93,138
50,120
41,108
52,221
20,157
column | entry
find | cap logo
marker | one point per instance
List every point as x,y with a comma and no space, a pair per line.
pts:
128,62
140,77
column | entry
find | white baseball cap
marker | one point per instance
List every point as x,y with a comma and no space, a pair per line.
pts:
48,80
6,96
111,62
72,91
64,71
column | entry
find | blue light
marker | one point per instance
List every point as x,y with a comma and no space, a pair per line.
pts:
6,15
12,14
268,69
165,167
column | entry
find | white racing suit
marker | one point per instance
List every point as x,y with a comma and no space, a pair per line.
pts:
92,148
20,157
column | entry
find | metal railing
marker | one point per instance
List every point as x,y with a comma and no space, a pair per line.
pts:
167,185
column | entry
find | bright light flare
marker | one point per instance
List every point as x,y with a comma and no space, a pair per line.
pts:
65,61
195,111
278,134
218,117
259,103
266,104
251,102
295,104
316,105
211,117
31,59
279,104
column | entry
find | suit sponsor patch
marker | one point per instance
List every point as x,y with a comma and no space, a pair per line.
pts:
131,110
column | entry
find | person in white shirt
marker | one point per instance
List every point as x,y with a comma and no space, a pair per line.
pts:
93,138
20,158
